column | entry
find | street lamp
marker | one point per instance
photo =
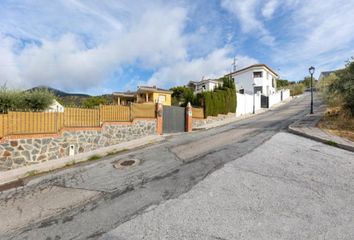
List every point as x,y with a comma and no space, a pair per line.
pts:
311,71
254,98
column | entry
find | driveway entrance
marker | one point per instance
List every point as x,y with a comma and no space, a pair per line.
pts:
173,119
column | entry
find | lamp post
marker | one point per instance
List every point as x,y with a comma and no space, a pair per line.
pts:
254,98
311,71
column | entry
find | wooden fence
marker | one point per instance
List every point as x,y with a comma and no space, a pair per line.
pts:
81,117
115,113
197,112
143,110
31,122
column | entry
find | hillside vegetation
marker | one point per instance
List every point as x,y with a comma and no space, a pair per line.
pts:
34,100
337,90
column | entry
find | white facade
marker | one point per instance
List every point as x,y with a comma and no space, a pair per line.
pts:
260,75
245,103
274,98
204,85
278,97
286,94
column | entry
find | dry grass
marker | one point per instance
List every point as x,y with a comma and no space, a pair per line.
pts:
337,122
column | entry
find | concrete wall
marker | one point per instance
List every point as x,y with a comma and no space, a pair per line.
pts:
286,94
277,97
15,153
274,98
245,104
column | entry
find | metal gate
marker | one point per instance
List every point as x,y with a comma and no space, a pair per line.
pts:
173,119
264,101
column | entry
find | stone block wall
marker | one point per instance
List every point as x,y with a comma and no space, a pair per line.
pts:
15,153
199,123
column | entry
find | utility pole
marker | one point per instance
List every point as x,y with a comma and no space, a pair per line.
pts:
234,64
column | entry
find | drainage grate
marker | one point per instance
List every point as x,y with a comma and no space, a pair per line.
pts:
123,163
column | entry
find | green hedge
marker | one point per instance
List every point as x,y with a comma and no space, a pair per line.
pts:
222,100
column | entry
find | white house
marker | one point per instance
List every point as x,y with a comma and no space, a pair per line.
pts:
55,107
256,78
204,85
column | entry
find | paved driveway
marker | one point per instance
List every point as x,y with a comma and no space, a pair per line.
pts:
288,188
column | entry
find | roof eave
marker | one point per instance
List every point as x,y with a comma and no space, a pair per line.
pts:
254,66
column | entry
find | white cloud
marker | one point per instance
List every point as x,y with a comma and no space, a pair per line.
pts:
322,36
247,14
67,62
86,44
269,8
89,41
9,72
214,65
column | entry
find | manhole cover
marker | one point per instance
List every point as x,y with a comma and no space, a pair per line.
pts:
127,163
123,163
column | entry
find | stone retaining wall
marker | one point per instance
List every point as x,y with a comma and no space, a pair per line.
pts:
198,123
21,152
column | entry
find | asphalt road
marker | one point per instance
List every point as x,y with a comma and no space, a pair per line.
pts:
165,171
288,188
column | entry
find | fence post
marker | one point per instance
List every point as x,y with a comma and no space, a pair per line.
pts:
204,108
130,112
159,118
189,117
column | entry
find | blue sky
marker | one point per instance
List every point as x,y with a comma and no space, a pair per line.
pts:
103,46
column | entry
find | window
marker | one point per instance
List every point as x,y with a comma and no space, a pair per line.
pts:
162,98
258,89
257,74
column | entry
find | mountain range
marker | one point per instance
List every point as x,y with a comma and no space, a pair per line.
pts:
59,93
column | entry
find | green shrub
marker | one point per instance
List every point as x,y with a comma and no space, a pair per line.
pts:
331,98
28,100
282,83
221,101
9,99
343,88
182,95
36,100
296,89
93,102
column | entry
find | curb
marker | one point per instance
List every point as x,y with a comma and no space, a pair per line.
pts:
11,176
319,139
236,119
247,116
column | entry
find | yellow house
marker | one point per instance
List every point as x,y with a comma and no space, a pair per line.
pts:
144,94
